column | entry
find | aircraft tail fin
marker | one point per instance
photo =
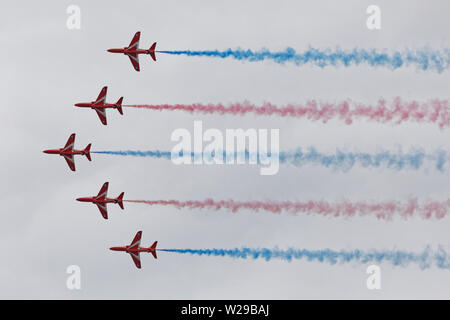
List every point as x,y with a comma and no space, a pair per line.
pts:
152,51
87,151
152,249
120,200
119,105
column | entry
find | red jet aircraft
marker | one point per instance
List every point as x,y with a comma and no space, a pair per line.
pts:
134,250
133,51
68,152
101,200
100,105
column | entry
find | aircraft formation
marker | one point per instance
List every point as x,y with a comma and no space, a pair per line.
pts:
402,111
132,51
68,151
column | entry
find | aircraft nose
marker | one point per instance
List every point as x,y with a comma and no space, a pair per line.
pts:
77,104
79,199
46,151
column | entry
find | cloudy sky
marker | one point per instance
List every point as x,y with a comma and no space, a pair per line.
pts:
47,68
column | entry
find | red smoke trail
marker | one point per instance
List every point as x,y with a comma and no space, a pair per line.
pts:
398,111
382,210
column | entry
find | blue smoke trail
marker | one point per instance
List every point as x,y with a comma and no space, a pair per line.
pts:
340,160
346,160
424,59
154,154
425,259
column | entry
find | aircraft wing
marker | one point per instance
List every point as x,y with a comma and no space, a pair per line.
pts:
136,259
70,161
103,191
103,209
102,115
134,44
70,142
134,58
102,96
136,241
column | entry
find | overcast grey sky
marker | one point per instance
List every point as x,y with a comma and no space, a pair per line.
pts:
46,68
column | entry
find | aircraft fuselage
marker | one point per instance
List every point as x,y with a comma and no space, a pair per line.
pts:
61,152
94,200
128,249
92,105
130,51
